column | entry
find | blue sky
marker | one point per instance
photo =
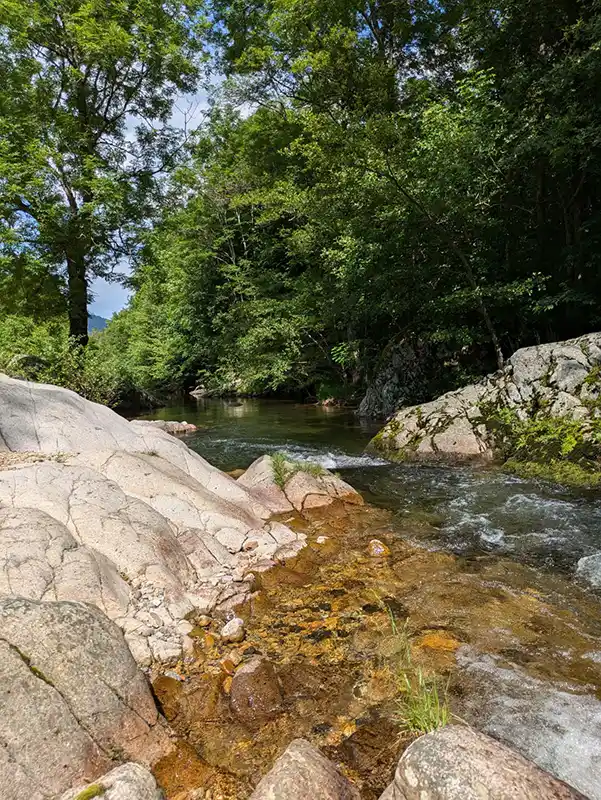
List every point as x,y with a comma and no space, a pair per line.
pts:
108,298
112,297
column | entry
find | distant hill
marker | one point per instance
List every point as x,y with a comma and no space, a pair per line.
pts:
96,323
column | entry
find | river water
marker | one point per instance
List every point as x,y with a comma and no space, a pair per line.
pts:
533,549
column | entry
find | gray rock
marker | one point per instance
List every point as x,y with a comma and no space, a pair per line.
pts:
458,763
550,377
73,700
302,772
127,782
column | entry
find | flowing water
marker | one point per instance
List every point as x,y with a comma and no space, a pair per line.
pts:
496,576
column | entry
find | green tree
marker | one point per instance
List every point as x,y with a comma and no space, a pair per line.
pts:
86,93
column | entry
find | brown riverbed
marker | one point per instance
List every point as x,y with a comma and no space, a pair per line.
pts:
334,623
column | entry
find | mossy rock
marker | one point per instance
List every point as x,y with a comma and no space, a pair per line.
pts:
91,791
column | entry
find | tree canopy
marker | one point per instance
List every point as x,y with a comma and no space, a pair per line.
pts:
370,173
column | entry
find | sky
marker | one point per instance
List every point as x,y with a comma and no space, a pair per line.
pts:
108,298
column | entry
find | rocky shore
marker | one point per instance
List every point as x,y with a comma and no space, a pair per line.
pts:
117,543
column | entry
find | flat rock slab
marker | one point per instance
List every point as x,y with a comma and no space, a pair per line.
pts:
303,772
459,763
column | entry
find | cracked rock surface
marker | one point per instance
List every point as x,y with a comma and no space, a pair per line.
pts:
561,378
73,700
124,516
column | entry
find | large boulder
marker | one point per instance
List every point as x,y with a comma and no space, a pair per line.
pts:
302,772
558,380
459,763
300,486
127,782
124,516
73,701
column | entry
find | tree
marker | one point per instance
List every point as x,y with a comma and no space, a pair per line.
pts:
87,89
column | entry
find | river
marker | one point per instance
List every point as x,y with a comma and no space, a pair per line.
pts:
519,593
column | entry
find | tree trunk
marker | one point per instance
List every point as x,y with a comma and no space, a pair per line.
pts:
78,298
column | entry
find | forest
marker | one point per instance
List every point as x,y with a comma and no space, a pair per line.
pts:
366,174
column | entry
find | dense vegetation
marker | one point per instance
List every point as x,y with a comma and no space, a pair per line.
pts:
370,172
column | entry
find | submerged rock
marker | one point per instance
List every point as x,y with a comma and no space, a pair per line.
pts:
557,380
127,782
73,700
552,724
170,426
255,694
458,763
302,772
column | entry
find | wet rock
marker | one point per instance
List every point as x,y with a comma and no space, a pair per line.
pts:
458,763
72,698
127,782
203,621
233,631
303,772
377,549
256,694
554,725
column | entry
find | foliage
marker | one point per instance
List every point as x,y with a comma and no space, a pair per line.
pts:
422,705
45,353
284,469
367,174
545,438
86,91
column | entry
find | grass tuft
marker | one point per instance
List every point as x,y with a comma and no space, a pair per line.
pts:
284,469
91,791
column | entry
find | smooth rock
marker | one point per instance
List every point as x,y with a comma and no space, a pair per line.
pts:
127,782
72,698
256,694
377,549
233,631
303,773
459,763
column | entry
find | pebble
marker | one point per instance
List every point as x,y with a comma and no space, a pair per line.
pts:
251,545
321,539
233,631
377,549
203,621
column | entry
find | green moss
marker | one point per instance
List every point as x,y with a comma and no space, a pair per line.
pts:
565,472
93,790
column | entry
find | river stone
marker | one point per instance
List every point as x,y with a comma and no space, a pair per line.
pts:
256,693
459,763
233,631
555,378
302,491
303,772
127,782
73,700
